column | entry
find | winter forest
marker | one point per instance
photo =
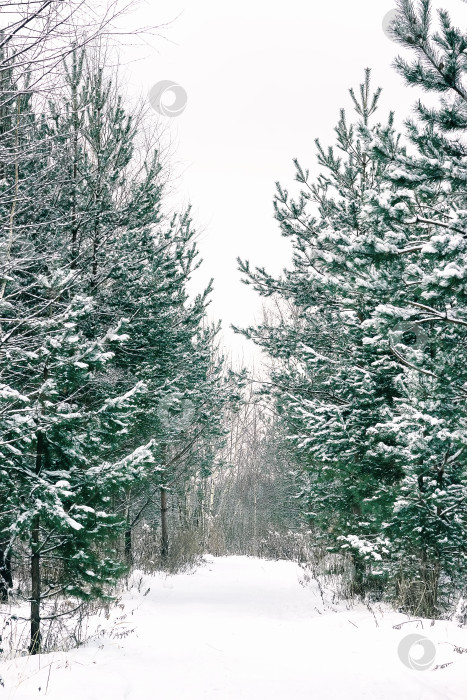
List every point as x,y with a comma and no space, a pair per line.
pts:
135,454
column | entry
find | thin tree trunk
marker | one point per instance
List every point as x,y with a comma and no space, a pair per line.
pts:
164,525
255,514
76,72
128,541
35,645
128,548
358,581
15,200
6,579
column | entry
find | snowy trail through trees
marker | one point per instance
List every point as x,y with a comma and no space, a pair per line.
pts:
242,628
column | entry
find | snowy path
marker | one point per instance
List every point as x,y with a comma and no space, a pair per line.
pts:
241,628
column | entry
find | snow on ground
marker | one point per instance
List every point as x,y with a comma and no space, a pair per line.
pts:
241,628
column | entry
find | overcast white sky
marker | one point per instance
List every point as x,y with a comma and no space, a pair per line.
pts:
263,79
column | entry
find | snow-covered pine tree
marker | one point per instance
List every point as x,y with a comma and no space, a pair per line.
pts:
373,381
172,349
425,206
135,264
138,263
331,387
61,461
97,334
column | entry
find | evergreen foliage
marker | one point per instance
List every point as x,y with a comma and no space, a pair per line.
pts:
371,379
101,344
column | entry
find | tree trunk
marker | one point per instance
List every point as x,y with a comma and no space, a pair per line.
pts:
35,645
164,525
74,218
128,546
359,575
6,579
